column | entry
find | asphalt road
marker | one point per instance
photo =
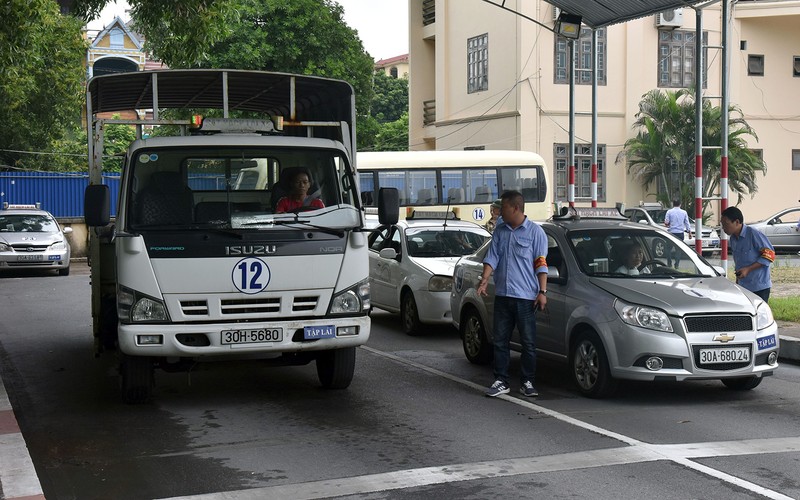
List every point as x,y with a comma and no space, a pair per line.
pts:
414,423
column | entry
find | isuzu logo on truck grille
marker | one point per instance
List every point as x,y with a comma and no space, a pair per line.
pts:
250,249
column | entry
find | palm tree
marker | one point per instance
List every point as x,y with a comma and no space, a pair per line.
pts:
663,150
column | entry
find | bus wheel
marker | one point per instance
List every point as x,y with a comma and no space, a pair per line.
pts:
137,378
335,367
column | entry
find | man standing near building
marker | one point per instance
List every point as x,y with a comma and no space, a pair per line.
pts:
517,256
752,253
677,221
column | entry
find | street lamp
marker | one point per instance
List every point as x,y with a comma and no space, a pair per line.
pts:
568,25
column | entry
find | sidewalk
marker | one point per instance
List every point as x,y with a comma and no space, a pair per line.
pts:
18,479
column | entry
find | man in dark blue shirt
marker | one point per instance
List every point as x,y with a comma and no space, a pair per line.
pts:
752,253
517,255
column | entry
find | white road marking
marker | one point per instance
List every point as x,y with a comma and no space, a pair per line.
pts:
636,452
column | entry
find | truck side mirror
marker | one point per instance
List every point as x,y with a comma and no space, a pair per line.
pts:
388,205
97,205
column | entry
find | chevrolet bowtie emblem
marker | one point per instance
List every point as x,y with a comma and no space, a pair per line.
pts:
724,338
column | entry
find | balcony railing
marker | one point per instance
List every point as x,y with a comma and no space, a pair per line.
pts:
428,12
429,112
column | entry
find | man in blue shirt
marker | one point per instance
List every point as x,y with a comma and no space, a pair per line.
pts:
752,253
517,256
677,221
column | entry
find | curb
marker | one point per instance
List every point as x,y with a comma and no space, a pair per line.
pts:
18,479
790,348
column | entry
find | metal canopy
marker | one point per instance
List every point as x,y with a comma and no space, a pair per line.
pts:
599,13
303,97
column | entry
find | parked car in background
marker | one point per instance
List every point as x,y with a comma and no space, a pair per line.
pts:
663,323
654,214
411,266
31,238
781,229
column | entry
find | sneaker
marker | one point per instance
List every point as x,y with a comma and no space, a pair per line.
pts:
499,387
528,389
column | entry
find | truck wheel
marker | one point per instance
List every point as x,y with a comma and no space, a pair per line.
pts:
137,378
335,367
590,368
742,383
477,347
409,315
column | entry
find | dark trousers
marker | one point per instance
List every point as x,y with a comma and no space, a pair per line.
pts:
508,312
764,294
675,251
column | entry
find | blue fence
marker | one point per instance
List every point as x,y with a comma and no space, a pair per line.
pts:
60,193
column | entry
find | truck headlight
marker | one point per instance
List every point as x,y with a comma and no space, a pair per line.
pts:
353,300
764,316
135,307
440,283
645,317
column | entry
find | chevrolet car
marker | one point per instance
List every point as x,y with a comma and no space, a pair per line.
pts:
609,319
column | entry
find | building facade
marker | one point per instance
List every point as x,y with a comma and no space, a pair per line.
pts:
482,77
395,67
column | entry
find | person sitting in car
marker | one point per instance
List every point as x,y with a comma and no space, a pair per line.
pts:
633,255
298,197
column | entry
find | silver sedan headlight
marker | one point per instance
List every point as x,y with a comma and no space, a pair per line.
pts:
764,316
4,247
58,246
440,284
645,317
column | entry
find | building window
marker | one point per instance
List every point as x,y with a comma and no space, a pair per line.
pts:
755,65
583,172
676,59
117,38
583,58
478,63
393,72
796,159
796,67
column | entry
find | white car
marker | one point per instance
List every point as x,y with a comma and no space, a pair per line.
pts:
654,214
411,266
30,238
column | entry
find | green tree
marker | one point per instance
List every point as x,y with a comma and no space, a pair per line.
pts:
41,88
302,36
393,136
663,150
391,98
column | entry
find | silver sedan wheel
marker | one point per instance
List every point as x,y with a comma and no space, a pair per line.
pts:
586,364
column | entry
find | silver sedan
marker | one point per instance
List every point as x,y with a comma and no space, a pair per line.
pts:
616,311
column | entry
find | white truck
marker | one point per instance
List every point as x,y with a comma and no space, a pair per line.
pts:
199,265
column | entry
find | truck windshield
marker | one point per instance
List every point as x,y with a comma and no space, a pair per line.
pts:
220,187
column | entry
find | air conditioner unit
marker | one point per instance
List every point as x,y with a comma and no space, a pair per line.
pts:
556,13
670,19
